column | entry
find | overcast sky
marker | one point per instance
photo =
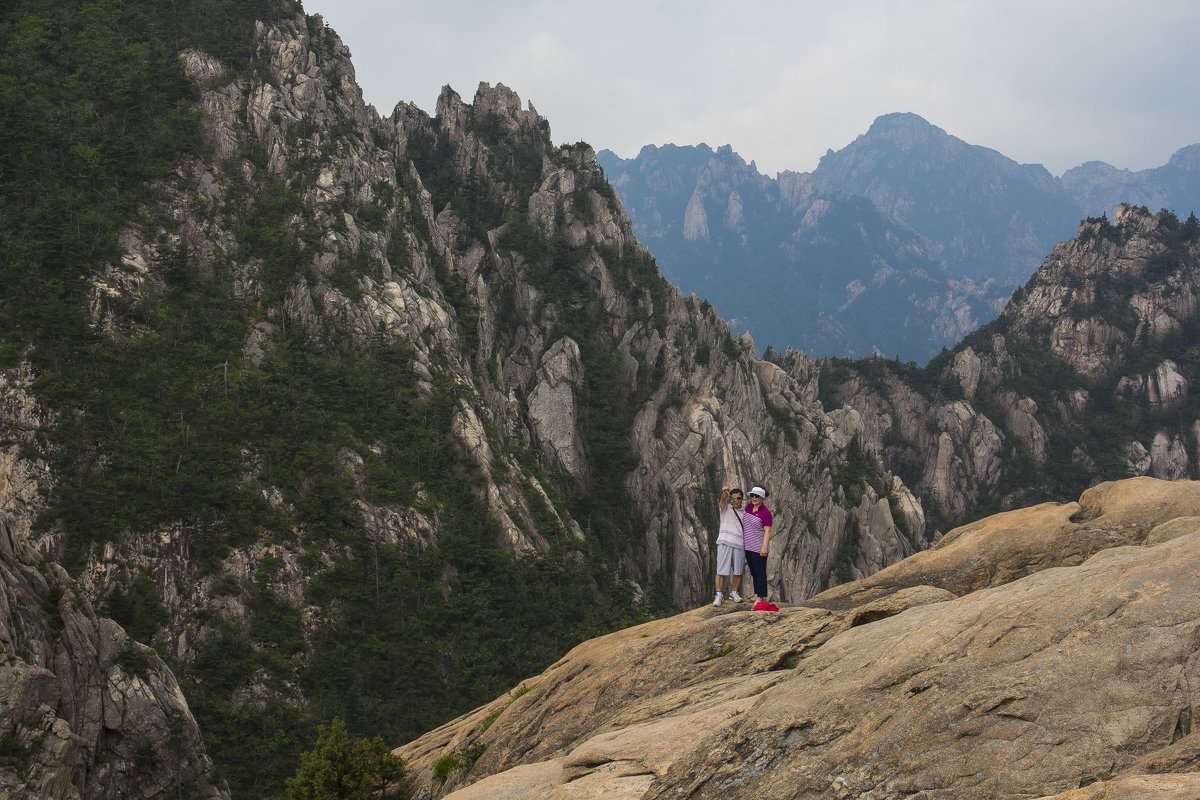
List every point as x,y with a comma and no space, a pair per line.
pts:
1053,82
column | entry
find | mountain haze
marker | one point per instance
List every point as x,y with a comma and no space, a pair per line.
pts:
988,217
796,264
947,232
1100,187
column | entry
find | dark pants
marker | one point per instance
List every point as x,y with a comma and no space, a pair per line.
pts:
758,570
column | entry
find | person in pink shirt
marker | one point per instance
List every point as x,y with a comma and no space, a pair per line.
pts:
756,538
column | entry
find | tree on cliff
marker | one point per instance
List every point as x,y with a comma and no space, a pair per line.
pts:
346,768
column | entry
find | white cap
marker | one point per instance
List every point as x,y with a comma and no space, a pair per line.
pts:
758,490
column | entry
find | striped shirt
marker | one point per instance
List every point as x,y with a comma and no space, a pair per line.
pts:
731,527
753,525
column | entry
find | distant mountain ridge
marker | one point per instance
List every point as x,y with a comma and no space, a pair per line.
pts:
949,231
793,263
1175,185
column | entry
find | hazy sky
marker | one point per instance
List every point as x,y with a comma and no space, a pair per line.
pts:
1054,82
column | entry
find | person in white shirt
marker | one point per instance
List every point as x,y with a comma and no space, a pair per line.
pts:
731,554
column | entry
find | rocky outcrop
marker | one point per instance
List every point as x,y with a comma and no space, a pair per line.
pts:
1046,652
1074,292
553,411
1085,377
695,222
1011,545
85,711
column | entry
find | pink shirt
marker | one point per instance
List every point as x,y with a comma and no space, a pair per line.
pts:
753,527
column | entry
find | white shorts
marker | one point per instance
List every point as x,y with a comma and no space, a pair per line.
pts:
730,560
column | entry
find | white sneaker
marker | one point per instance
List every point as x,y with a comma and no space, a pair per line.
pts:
720,598
735,597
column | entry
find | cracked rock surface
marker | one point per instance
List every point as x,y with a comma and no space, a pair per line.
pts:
1013,660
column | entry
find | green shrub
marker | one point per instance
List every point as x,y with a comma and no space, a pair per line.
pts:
444,765
462,759
341,767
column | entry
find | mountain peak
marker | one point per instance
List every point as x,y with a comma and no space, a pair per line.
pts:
1186,158
992,217
698,150
904,127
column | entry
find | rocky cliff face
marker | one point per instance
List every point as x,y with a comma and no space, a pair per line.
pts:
85,711
1047,652
518,365
1086,376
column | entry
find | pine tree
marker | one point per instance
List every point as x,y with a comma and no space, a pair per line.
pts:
342,767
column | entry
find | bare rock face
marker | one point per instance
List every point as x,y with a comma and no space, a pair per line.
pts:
1067,293
1046,652
695,223
1053,700
552,407
1136,787
1168,386
1010,545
